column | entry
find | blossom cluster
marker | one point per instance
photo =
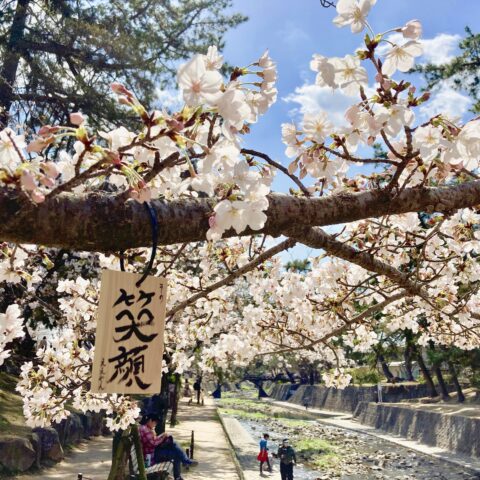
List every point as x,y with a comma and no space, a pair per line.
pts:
11,328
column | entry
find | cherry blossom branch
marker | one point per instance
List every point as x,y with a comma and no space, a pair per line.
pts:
285,245
278,166
317,238
358,319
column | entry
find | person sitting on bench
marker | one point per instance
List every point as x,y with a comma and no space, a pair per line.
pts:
162,447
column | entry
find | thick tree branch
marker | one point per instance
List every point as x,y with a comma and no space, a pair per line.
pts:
317,238
100,222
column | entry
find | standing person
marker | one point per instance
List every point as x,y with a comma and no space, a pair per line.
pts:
287,457
187,392
263,455
162,447
197,386
43,343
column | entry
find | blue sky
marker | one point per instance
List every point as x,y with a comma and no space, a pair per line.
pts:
294,30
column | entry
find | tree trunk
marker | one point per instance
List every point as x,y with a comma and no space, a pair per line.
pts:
8,72
408,363
386,371
426,374
312,376
173,415
120,451
441,382
458,387
162,409
290,375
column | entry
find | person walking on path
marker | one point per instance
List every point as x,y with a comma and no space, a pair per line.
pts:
287,457
263,455
162,447
197,386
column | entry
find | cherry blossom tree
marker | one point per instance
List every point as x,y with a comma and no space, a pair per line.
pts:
405,258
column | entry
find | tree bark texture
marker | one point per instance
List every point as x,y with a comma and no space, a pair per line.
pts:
105,223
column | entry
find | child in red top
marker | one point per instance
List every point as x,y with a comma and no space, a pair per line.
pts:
262,457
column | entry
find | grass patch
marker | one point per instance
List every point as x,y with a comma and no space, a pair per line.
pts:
12,421
239,402
244,414
318,452
292,422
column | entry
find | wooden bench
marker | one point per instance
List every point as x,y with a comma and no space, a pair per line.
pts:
158,471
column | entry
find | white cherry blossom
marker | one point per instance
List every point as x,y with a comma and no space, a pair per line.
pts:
353,13
401,57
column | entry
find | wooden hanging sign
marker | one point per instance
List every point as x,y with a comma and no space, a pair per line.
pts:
129,339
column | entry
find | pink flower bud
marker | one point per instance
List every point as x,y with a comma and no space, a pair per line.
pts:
76,118
175,124
50,169
387,84
48,182
134,194
144,195
47,130
37,196
412,30
124,101
37,145
27,181
212,221
120,89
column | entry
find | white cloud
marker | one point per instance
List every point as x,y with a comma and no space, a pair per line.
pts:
293,35
445,99
440,49
312,99
437,50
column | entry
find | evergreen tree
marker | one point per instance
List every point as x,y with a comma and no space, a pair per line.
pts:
463,70
60,56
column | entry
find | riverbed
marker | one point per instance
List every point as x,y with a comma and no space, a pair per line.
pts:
325,452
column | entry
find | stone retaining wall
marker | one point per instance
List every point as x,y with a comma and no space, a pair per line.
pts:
347,400
454,433
46,445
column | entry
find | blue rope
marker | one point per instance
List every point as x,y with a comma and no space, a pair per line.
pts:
154,224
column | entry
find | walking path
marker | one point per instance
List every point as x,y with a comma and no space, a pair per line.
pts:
345,420
212,450
92,459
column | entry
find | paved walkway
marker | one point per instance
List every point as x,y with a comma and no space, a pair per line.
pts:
345,420
246,449
212,449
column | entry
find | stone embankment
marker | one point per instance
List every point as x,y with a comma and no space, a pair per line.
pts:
453,428
45,446
347,400
456,431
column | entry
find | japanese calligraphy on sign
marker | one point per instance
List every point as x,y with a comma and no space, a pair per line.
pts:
129,340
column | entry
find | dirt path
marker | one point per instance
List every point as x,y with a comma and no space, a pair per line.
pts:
92,459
